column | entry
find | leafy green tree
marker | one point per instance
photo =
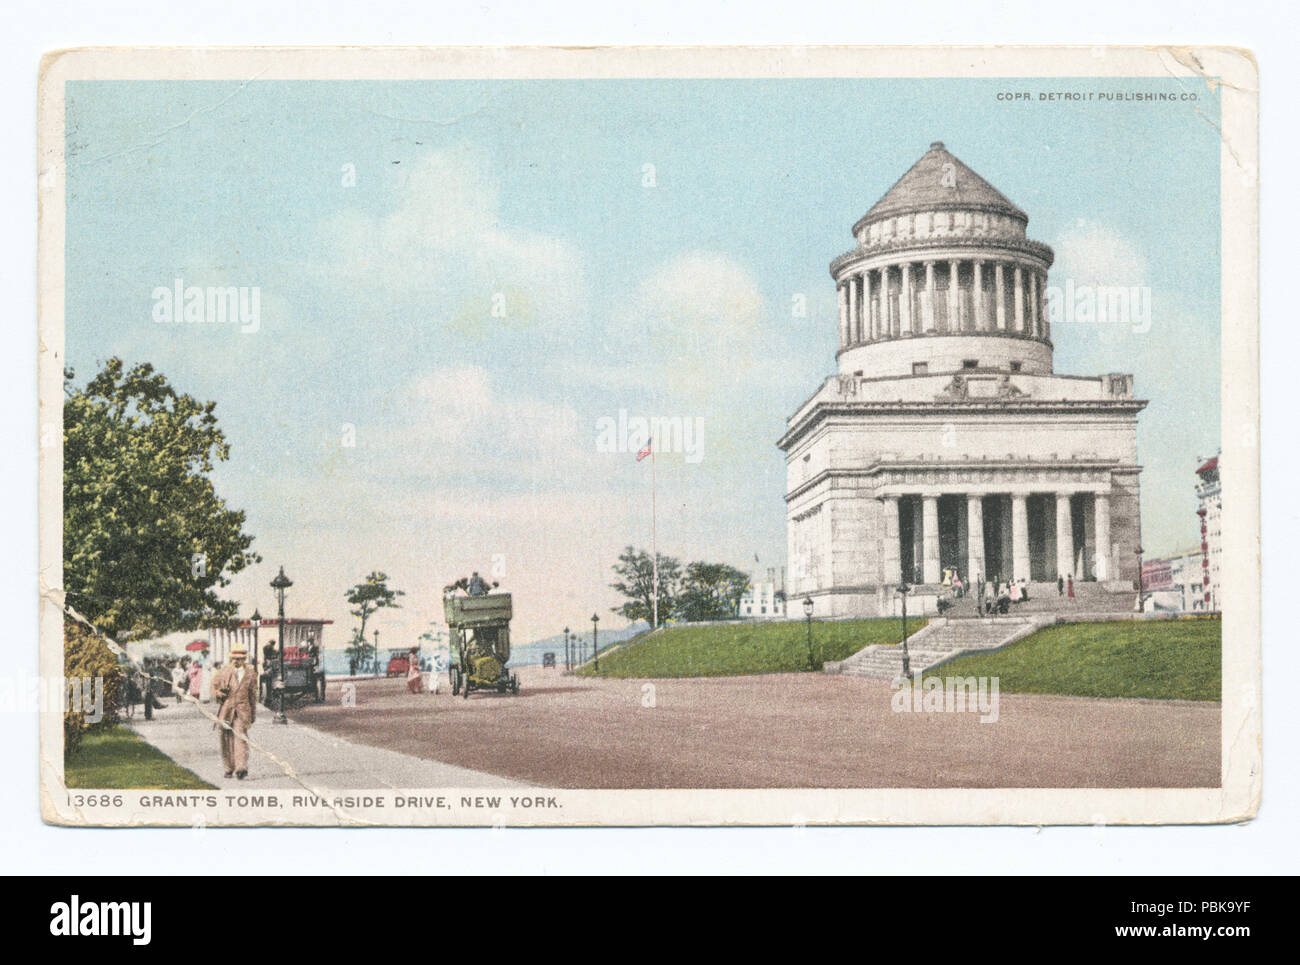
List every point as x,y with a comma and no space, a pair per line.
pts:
146,539
86,659
710,591
367,598
635,570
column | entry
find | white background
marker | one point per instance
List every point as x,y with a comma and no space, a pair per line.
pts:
1268,844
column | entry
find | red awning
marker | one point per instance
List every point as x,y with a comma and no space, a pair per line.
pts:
197,645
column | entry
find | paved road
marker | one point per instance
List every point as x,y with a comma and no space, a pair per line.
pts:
778,730
320,761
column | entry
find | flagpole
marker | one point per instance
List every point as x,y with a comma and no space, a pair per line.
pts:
654,537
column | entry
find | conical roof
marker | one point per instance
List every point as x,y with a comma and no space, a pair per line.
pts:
931,183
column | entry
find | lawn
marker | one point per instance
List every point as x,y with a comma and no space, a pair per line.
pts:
746,648
1168,659
115,757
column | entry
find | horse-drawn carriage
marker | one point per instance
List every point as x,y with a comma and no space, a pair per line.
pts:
480,642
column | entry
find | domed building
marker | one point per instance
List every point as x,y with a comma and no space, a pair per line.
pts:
946,441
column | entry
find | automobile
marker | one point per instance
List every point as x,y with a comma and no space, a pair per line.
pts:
304,676
480,639
399,662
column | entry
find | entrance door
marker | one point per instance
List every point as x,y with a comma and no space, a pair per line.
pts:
907,539
993,523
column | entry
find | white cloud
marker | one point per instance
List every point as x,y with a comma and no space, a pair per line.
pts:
458,423
1093,254
692,333
445,244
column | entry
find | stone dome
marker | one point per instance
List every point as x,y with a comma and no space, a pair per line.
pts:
940,181
943,278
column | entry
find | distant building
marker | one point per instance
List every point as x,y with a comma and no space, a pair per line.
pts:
252,636
1210,494
1175,583
762,601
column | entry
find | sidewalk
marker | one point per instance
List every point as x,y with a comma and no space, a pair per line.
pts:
319,760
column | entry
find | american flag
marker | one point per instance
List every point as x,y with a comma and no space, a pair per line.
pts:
643,452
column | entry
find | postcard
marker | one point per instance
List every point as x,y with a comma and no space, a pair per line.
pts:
648,436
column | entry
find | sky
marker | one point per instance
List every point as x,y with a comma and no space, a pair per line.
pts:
460,281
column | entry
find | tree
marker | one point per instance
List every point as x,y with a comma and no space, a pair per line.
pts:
368,597
146,539
636,571
711,591
88,661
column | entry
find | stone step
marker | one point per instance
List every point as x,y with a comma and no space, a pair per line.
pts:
940,642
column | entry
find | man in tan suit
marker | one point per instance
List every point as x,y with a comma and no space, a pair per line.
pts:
235,686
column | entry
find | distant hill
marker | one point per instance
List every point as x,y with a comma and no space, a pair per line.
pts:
521,654
528,654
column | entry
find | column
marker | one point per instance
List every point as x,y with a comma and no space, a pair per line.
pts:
892,568
870,324
1064,537
929,296
1000,296
978,296
886,326
930,548
1033,303
1101,521
855,316
974,538
1019,537
918,533
842,291
1042,308
905,299
1020,299
954,299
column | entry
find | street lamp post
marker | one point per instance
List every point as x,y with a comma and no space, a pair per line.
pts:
376,651
256,621
280,584
903,590
807,612
568,665
595,642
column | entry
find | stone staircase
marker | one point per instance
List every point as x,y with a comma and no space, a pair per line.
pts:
940,640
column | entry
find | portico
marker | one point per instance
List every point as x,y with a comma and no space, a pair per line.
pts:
995,536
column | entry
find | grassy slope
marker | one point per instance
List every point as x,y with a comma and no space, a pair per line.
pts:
746,648
116,758
1163,659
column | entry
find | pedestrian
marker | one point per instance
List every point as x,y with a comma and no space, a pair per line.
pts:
1024,591
146,689
1060,586
1014,592
196,678
1069,585
180,683
414,679
235,687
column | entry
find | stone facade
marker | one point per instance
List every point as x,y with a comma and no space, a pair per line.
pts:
946,440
